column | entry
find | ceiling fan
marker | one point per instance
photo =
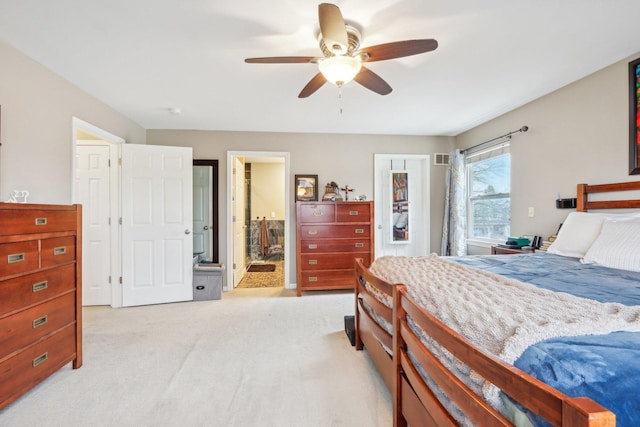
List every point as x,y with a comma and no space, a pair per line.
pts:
343,58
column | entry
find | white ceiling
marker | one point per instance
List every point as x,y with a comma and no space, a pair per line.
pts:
143,57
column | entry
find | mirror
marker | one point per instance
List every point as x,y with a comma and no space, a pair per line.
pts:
205,210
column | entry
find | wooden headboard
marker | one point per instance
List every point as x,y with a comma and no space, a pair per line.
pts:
583,204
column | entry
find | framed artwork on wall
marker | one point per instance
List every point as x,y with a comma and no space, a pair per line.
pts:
306,187
634,117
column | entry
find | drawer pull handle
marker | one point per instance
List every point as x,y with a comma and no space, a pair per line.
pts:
317,213
60,250
313,262
42,358
359,245
40,286
15,258
353,213
313,232
313,246
359,230
40,321
313,279
41,221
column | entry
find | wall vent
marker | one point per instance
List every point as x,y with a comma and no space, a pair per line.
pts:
441,159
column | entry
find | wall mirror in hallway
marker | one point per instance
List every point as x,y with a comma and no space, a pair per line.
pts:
206,238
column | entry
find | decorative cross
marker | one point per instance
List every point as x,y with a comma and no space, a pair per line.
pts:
346,190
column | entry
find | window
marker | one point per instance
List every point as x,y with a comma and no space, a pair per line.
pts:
489,193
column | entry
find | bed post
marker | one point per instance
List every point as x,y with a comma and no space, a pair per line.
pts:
581,205
582,411
398,315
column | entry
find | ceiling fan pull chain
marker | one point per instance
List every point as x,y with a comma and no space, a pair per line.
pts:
340,98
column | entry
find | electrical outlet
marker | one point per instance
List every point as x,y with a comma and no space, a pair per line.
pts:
532,212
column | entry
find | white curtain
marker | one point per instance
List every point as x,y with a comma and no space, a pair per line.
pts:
454,229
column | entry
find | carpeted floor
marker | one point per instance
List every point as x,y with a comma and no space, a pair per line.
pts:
271,279
257,357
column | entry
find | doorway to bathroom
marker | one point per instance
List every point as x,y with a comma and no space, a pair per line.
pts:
258,213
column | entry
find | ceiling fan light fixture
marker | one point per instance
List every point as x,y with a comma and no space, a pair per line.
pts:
340,69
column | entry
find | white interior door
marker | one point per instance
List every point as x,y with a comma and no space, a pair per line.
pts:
157,239
92,191
239,228
417,168
202,217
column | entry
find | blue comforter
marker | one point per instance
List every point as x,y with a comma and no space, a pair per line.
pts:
605,368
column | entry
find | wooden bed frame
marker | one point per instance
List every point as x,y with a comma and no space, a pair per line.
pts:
413,402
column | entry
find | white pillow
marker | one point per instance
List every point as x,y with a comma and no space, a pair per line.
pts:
579,231
617,246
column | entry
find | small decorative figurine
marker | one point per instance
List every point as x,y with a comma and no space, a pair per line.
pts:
332,192
346,190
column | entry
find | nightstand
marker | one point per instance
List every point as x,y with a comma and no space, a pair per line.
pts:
500,250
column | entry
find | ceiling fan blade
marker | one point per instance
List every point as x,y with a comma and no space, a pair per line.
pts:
372,81
400,49
282,60
314,84
333,29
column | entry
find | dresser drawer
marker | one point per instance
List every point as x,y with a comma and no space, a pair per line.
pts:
313,213
24,291
18,257
335,245
339,279
353,212
334,231
27,326
331,261
23,221
58,251
21,372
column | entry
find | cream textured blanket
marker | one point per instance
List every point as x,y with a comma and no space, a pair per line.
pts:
499,315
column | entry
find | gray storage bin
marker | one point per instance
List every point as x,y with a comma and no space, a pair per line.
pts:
207,281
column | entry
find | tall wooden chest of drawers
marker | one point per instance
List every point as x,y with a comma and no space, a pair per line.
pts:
330,236
40,294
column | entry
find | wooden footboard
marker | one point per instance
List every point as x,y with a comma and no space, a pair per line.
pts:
369,334
416,404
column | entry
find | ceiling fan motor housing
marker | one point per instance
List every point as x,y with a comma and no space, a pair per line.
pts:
354,43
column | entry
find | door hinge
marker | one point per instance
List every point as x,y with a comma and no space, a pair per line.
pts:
120,280
120,220
233,219
109,279
234,266
108,163
109,220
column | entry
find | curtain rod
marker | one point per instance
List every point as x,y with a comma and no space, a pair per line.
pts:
506,135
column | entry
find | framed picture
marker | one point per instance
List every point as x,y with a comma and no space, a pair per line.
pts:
634,117
306,188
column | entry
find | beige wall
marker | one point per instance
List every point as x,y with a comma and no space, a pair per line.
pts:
267,190
345,159
577,134
37,111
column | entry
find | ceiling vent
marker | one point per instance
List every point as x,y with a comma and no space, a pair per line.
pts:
441,159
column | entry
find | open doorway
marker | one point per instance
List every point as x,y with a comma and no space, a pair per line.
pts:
258,213
96,187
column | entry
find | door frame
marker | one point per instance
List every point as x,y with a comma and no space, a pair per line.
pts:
231,155
114,197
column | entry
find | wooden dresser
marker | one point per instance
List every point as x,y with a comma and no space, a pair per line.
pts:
40,294
330,236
